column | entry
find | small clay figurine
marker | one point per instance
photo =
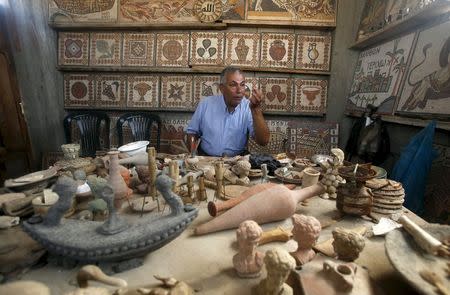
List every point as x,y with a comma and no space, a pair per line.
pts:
164,185
347,244
66,188
278,265
306,231
248,262
114,224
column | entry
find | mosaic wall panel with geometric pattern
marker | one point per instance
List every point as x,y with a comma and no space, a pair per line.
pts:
172,50
143,91
207,48
138,49
105,49
110,91
73,48
78,90
205,86
310,96
277,140
176,92
242,49
172,135
313,51
277,50
278,95
309,138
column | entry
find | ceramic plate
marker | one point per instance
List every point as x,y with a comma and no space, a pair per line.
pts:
409,259
30,179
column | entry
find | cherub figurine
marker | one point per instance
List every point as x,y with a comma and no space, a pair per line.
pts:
306,232
278,264
248,262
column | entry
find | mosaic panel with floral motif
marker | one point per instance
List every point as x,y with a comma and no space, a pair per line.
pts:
74,11
105,49
277,50
313,52
207,48
73,48
78,90
110,91
310,96
172,50
143,91
156,11
205,86
176,92
309,138
242,49
277,95
138,49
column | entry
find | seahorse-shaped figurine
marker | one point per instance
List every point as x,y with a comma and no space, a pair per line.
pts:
164,185
66,188
114,224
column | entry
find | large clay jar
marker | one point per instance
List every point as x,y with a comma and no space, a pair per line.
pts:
115,179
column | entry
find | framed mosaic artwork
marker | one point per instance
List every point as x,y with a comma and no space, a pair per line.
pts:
242,49
205,86
73,48
278,95
277,50
207,48
313,51
143,91
172,134
312,13
233,10
172,50
156,11
78,90
105,49
138,49
176,92
110,91
277,141
310,96
309,138
74,11
378,75
426,88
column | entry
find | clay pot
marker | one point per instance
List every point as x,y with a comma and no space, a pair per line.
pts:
116,181
273,204
310,177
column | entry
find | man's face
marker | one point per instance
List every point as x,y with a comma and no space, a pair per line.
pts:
233,89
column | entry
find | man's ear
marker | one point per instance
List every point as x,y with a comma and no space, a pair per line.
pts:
221,86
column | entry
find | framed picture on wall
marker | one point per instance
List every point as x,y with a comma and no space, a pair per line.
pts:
426,88
378,75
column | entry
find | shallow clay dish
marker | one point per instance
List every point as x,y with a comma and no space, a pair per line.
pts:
294,176
29,181
409,259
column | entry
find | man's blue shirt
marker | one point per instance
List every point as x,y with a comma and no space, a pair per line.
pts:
222,132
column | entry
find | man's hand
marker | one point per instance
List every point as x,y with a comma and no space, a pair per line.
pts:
256,98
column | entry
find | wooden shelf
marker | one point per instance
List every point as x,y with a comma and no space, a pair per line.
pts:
416,122
193,69
291,24
137,26
409,23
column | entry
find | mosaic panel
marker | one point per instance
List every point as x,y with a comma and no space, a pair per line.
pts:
138,49
143,91
105,49
69,11
78,90
242,49
313,52
250,83
277,141
277,50
205,86
207,48
172,50
277,95
310,96
172,135
378,75
312,13
156,11
73,48
309,138
233,10
110,91
176,92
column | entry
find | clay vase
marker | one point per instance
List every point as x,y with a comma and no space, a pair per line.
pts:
273,204
116,181
310,177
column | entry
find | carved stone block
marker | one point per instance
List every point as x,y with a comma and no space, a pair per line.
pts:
313,52
242,49
172,50
176,92
110,91
310,96
105,49
138,49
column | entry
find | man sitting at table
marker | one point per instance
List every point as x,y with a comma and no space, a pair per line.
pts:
223,123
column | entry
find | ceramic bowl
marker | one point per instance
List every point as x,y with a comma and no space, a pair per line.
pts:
134,148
